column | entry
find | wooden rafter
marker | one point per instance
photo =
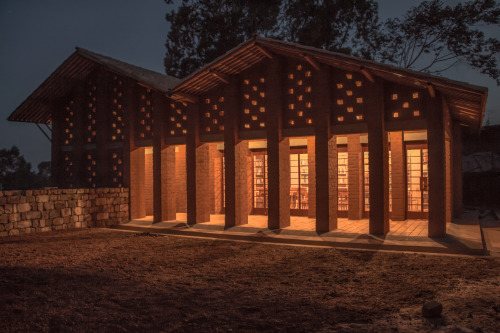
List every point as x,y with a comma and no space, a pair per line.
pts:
263,51
367,74
219,76
431,90
311,61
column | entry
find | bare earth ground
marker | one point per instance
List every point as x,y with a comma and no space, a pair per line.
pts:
103,280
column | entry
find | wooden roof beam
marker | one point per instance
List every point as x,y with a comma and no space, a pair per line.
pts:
312,61
367,74
182,97
263,51
219,76
431,90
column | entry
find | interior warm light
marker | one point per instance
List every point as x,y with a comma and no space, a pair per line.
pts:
340,101
358,84
415,94
406,105
394,97
348,76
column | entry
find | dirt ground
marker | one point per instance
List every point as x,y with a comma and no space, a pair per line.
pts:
103,280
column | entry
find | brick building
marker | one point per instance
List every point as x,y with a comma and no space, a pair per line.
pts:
269,128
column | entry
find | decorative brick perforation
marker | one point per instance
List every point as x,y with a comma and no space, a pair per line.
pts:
253,102
402,103
69,124
117,123
90,114
116,161
212,114
176,122
68,169
145,116
90,170
348,97
298,95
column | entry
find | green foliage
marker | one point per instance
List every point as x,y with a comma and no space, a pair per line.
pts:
16,173
431,37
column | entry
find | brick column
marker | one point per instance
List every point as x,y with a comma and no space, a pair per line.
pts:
355,177
448,186
236,212
180,179
311,157
399,190
437,172
131,106
457,169
137,173
325,153
278,150
164,200
197,169
378,152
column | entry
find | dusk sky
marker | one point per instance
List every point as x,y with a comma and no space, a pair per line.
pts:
37,36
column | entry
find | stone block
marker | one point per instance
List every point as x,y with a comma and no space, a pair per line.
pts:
13,199
33,215
54,213
58,221
65,212
24,224
23,207
42,198
102,216
60,205
13,232
14,217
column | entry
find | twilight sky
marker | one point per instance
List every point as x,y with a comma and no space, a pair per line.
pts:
37,36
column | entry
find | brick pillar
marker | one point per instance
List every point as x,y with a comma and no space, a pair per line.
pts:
278,150
235,152
457,169
129,173
399,190
180,178
311,157
164,201
355,177
215,179
148,182
326,162
197,168
378,152
437,172
449,198
137,172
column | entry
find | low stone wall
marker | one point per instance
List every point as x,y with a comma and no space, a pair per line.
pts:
56,209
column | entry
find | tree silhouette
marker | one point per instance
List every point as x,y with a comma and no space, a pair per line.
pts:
16,173
432,37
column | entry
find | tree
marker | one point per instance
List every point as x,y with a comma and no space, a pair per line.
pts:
202,30
16,173
431,37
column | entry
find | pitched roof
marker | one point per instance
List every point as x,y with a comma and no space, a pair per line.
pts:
37,107
467,102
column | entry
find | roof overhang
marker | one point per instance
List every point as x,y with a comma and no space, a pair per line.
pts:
37,108
467,102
